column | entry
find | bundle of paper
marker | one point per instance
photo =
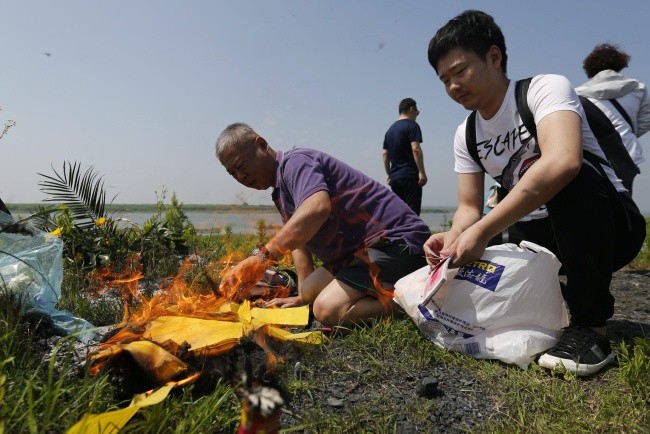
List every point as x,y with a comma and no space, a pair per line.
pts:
437,277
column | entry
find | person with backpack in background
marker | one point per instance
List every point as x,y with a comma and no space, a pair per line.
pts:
402,155
593,226
624,100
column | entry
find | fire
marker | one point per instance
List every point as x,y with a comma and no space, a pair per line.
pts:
188,319
383,295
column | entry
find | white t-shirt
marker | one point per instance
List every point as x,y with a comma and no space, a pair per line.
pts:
504,141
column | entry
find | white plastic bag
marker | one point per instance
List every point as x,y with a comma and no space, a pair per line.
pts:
506,306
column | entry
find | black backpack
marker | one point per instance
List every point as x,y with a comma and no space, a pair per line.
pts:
608,138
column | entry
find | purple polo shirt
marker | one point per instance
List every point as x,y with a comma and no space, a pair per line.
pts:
363,210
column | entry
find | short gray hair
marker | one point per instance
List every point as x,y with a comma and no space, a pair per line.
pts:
237,135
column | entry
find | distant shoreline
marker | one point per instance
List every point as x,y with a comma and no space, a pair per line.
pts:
215,208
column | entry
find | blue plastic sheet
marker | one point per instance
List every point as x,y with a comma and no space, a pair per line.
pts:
31,273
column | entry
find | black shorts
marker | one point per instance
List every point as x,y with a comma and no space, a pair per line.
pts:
388,261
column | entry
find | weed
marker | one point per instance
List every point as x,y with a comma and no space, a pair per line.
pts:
635,367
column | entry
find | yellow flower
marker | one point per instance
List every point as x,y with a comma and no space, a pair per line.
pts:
57,232
101,221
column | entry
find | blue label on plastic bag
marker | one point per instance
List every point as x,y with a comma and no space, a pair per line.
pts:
482,273
426,313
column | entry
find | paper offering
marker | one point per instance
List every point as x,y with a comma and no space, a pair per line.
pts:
437,277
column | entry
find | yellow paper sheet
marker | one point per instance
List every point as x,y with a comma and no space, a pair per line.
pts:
291,316
314,337
198,333
113,421
202,335
244,312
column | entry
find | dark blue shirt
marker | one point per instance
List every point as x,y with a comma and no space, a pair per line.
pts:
400,153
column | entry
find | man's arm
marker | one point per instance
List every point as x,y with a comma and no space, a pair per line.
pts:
386,164
304,264
470,201
643,116
302,226
469,211
560,140
418,156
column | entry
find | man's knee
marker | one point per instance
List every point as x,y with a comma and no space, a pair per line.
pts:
313,285
326,312
333,303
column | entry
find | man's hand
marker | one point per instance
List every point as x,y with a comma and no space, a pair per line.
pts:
439,246
239,280
422,179
285,302
432,248
469,246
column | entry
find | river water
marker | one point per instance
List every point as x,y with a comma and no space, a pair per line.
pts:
214,222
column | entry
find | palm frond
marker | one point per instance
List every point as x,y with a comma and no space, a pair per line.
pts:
81,191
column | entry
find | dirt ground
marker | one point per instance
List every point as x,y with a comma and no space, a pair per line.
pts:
460,402
631,289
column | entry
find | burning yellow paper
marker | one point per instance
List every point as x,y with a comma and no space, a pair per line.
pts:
113,421
206,336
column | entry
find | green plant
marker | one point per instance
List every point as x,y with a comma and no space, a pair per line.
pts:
642,260
7,126
166,233
90,237
262,231
635,367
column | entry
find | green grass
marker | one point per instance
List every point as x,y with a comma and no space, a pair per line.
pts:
642,261
39,396
532,400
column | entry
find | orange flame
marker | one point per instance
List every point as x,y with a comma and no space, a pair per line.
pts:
201,299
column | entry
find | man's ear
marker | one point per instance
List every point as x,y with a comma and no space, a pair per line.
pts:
261,142
494,57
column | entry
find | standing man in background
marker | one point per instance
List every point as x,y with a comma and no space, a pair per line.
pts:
403,159
624,100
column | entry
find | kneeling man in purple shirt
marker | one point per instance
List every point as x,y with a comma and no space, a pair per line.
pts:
366,237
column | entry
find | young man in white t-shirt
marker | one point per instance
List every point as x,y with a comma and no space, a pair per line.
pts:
593,225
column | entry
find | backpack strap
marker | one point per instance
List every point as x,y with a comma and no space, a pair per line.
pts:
599,123
521,96
470,139
617,156
617,105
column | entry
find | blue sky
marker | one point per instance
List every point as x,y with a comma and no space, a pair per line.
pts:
141,89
